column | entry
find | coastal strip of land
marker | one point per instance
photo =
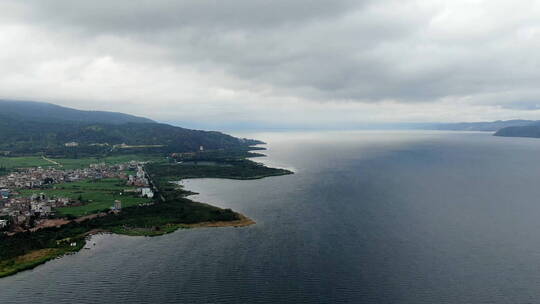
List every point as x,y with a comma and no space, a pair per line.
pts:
168,210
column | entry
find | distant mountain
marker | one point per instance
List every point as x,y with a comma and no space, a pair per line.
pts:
520,131
47,112
478,126
30,127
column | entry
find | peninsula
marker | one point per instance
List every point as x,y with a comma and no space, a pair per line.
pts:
62,179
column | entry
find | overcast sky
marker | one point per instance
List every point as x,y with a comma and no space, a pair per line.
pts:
279,62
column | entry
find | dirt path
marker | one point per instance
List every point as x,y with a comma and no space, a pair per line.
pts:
50,223
52,161
60,222
89,217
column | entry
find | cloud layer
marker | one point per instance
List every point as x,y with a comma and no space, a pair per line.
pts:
291,62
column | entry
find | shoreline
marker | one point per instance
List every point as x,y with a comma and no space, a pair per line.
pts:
34,258
39,257
244,221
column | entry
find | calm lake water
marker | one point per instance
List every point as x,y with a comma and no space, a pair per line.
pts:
369,217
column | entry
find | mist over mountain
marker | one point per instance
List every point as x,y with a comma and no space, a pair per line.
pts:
479,126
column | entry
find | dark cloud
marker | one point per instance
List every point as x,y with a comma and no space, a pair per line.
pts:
406,52
157,15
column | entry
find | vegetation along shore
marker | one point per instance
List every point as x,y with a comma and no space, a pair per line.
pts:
69,173
169,208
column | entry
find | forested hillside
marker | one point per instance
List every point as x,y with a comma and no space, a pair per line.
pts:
20,133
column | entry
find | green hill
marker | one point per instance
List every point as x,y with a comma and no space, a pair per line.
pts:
47,112
22,133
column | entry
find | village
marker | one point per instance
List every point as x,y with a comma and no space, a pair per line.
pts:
20,212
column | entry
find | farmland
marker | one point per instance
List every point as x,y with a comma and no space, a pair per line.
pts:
10,163
97,195
24,162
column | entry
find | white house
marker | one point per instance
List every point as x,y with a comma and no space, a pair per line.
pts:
140,172
147,192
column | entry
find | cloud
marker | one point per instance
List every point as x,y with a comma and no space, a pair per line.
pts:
242,60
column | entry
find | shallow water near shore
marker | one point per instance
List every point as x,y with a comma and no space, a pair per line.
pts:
368,217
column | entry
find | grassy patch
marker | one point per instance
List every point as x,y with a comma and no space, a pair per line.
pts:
79,163
35,258
98,195
152,231
73,163
24,162
235,169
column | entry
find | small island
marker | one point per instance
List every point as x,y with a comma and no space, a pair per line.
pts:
95,177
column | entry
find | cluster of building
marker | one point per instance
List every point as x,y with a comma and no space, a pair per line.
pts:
140,180
22,212
37,177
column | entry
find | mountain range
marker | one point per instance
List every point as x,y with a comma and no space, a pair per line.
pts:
480,126
506,128
28,127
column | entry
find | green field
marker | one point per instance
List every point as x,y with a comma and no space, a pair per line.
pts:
99,195
24,162
78,163
72,163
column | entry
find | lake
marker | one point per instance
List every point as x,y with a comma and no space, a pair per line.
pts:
369,217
